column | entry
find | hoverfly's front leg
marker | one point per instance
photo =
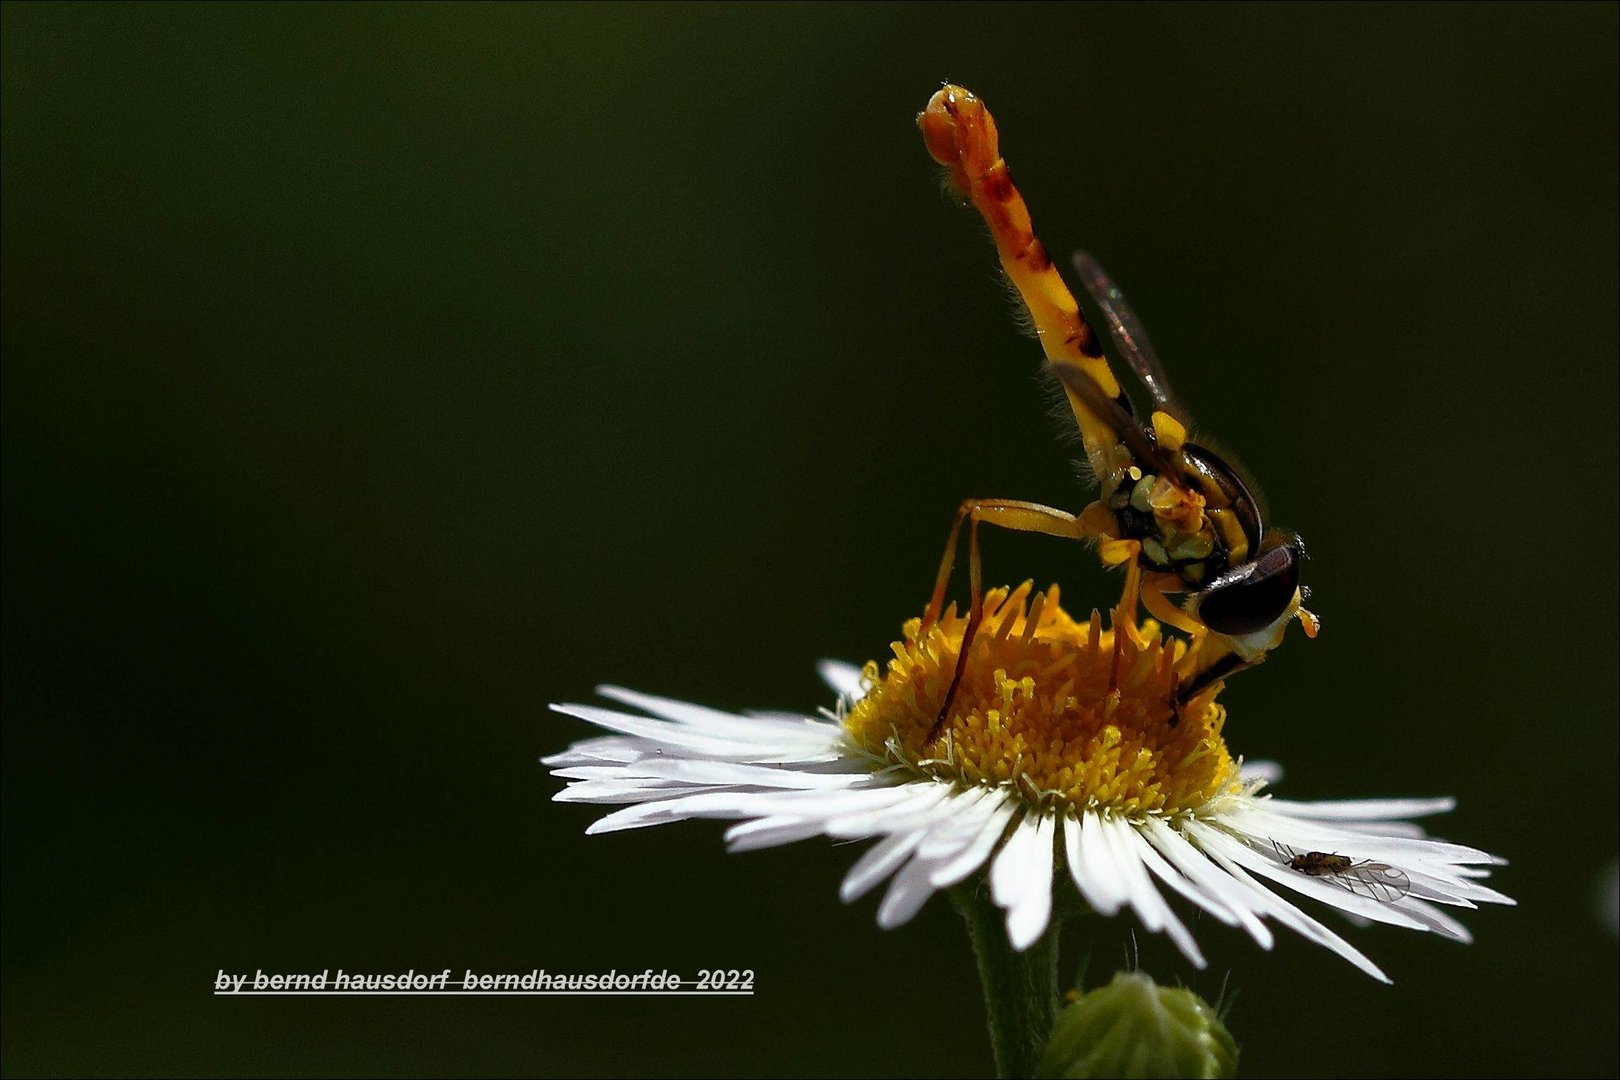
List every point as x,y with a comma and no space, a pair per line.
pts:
1128,553
1209,658
1154,587
1007,514
1204,674
1212,657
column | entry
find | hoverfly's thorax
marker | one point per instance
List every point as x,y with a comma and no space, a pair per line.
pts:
1196,520
1223,488
1167,518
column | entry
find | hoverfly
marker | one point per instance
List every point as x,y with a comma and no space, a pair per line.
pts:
1178,516
1374,880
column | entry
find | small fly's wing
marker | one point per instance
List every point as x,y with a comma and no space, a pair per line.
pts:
1126,330
1375,881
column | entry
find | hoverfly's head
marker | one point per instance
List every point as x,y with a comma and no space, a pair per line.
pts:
1251,605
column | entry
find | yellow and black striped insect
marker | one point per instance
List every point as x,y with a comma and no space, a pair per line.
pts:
1374,880
1174,513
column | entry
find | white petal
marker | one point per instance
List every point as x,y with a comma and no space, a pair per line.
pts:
598,771
808,806
1078,873
1097,859
1363,809
908,892
958,821
694,771
753,730
1296,920
1264,826
1190,861
935,805
975,853
844,679
813,757
1441,923
685,713
1010,868
628,791
601,750
881,859
1122,862
827,804
1177,880
968,811
1268,771
1213,841
661,732
900,816
769,832
791,750
1456,888
1145,898
1029,903
1383,828
778,716
706,803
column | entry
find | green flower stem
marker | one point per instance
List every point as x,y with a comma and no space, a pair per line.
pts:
1020,988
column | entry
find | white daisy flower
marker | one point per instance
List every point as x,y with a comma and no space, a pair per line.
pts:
1062,752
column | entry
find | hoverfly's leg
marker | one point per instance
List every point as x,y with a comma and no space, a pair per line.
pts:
1204,666
1124,620
1159,606
1007,514
947,563
975,617
1211,657
1154,587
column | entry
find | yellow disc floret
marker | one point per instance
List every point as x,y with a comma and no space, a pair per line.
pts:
1067,713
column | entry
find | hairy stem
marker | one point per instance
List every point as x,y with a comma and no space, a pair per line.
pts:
1020,988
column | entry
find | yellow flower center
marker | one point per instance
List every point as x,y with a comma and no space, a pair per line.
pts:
1068,713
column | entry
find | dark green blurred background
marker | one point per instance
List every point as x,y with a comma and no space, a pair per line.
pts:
375,375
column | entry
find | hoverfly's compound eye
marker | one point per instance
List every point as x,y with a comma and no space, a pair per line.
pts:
1252,597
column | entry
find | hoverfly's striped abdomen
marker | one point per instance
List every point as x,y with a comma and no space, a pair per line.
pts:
960,134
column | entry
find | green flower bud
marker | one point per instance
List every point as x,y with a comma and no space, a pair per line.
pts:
1135,1028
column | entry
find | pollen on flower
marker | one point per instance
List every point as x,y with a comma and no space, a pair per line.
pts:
1068,713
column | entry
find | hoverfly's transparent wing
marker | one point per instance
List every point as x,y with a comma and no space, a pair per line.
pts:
1113,416
1126,330
1375,881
